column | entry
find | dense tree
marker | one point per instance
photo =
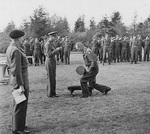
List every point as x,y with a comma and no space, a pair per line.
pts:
9,28
115,18
80,24
133,27
26,27
59,24
39,22
92,24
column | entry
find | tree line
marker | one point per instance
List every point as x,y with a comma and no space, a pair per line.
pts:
40,24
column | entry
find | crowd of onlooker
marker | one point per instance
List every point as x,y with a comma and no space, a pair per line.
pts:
36,47
108,49
121,49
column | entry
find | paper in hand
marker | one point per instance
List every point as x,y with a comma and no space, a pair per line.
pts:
18,96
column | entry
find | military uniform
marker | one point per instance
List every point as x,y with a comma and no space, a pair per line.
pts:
101,50
18,70
67,50
134,49
106,49
94,45
124,50
37,53
139,49
50,65
146,49
90,60
117,50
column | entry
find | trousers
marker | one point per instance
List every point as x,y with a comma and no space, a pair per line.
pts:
50,65
20,110
91,78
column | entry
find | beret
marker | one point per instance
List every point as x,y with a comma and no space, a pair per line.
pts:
16,34
52,33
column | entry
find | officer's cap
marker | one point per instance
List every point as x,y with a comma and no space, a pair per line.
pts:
16,34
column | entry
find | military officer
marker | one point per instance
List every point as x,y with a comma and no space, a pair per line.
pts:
139,48
90,60
50,64
106,49
67,50
124,50
18,70
117,49
101,49
134,50
37,52
146,49
94,45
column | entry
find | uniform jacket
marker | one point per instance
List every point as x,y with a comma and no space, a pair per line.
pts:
17,64
90,59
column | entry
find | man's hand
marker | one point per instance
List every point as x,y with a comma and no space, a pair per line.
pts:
22,90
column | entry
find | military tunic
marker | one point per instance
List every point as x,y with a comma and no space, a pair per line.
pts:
134,49
67,50
124,50
50,65
90,60
146,50
18,70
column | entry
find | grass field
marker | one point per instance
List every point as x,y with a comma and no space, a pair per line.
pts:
125,110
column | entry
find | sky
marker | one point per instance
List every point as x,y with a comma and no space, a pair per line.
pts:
18,10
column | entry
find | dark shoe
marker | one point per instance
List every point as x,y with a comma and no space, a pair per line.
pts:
106,91
21,132
54,95
84,96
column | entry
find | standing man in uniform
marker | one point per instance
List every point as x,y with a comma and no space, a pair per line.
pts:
139,48
90,60
26,47
117,49
134,50
37,52
106,49
146,49
18,70
67,50
101,49
50,64
94,45
124,50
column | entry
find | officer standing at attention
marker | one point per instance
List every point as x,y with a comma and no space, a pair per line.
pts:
134,49
50,64
146,48
139,49
124,49
67,50
90,60
117,49
94,45
18,70
106,49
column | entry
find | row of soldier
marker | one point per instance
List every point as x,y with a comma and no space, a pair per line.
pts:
121,49
35,47
108,49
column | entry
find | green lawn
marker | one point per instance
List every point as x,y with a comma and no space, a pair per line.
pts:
125,110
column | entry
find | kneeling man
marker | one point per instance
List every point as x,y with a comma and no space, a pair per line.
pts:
90,60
